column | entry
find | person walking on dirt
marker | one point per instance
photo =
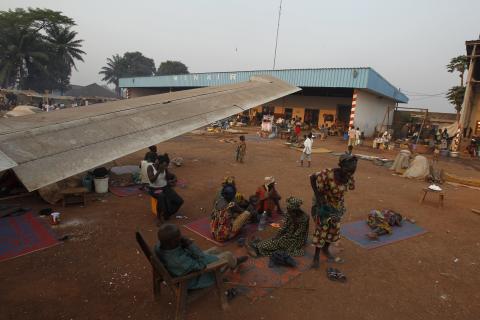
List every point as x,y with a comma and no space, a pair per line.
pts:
329,187
352,135
241,150
307,150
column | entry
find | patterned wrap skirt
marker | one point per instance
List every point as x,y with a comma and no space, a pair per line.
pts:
327,225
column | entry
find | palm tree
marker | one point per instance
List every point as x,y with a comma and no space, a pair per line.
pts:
65,47
113,71
459,64
455,96
18,50
64,50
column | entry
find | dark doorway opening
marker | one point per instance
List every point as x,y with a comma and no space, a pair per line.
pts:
343,116
311,117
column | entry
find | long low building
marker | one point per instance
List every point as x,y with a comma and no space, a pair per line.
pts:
345,96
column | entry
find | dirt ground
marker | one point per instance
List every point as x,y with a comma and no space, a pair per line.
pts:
99,272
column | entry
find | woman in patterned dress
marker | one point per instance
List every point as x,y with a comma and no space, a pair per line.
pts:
329,187
291,238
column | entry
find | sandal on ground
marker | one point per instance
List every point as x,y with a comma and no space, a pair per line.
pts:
340,276
331,274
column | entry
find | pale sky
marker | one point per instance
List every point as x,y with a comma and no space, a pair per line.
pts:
409,42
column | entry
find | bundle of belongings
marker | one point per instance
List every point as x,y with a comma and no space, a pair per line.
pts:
381,222
401,162
419,168
122,176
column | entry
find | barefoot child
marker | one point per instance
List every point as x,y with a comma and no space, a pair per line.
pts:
241,150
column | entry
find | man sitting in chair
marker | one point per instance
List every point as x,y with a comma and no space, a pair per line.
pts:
181,256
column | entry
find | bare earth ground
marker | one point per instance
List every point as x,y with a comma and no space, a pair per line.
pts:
100,274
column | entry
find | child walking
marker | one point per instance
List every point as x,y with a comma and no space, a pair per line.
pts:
241,150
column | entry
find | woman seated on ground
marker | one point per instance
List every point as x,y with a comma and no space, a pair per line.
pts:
291,238
268,197
227,217
181,256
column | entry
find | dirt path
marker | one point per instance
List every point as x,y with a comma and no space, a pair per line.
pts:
100,274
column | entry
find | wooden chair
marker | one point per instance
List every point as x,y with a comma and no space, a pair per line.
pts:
179,285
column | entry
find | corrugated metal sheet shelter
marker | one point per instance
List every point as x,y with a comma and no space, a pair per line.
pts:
355,78
44,148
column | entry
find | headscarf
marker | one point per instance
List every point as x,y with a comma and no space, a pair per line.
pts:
228,192
294,203
269,180
228,180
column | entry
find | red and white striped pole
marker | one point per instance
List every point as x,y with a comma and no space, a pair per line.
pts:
354,105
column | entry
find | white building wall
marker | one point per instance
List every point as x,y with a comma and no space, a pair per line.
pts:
371,111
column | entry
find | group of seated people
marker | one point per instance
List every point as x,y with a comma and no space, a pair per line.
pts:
230,213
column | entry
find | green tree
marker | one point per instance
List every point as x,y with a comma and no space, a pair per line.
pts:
131,64
171,67
30,49
114,70
20,51
458,64
137,65
455,96
64,50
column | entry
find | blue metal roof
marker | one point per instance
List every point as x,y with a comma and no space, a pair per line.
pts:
355,78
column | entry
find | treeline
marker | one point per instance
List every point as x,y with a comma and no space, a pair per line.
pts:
135,64
39,49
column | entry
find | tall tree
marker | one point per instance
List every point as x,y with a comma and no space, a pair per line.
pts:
455,96
137,65
458,64
171,67
28,54
114,70
65,49
131,64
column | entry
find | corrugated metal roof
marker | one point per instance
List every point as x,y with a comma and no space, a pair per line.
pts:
94,135
356,78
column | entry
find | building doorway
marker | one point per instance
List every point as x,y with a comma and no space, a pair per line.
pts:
288,113
311,117
343,116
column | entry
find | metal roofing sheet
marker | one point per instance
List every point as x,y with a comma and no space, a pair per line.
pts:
47,147
357,78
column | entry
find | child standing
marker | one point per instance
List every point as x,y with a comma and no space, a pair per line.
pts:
241,150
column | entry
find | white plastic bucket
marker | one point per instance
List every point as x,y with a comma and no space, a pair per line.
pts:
101,185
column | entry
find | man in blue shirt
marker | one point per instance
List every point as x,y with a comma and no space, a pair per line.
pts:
181,256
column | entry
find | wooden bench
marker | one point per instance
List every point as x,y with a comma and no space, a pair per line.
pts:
179,285
441,195
74,196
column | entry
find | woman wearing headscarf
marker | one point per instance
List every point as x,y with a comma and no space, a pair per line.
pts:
227,218
329,187
291,238
268,197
